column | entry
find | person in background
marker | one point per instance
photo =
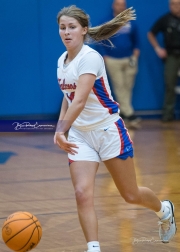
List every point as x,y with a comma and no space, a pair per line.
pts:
121,62
169,25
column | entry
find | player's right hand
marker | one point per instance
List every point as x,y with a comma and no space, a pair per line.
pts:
61,141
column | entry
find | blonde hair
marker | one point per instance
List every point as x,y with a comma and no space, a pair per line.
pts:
101,32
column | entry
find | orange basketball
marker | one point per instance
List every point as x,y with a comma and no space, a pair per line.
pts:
21,231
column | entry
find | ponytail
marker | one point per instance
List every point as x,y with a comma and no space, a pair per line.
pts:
101,32
108,29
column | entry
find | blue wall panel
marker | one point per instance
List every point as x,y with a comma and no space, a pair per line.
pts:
30,47
19,79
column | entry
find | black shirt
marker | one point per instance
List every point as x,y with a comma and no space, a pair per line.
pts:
169,25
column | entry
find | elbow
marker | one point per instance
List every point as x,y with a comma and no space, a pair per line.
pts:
149,35
79,103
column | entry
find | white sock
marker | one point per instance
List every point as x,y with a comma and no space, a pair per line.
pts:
93,246
164,212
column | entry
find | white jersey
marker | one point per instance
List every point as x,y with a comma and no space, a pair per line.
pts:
100,108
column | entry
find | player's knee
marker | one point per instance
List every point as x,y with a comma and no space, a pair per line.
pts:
132,198
82,196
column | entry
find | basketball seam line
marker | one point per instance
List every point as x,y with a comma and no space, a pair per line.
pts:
18,220
28,240
20,231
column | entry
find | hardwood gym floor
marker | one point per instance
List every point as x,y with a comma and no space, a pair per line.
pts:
34,177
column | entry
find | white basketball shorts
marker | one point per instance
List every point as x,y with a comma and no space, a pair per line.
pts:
101,144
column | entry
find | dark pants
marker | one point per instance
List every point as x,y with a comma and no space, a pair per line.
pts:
172,64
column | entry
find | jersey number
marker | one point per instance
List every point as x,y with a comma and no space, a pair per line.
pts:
70,96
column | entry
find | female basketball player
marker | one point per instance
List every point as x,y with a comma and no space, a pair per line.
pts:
96,132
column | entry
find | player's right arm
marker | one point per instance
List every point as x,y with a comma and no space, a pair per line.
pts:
60,139
85,84
64,108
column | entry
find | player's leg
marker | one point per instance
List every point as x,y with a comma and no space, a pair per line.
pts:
83,168
83,177
123,174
